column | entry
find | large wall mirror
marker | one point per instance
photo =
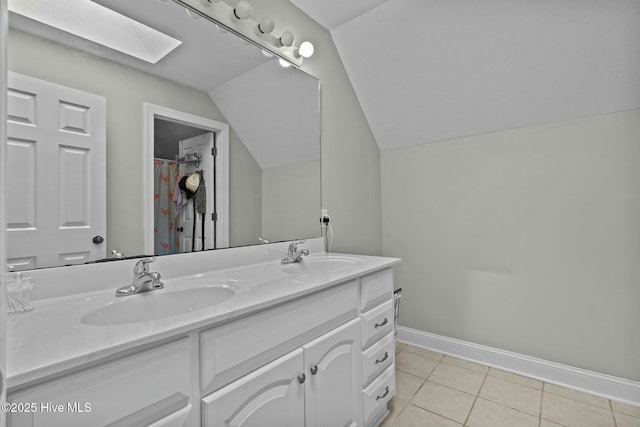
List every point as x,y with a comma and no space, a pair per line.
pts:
100,140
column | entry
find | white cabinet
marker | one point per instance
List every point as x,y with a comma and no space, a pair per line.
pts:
317,385
321,360
139,389
237,348
271,396
333,387
378,345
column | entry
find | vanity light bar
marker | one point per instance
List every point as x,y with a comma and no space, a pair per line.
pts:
238,19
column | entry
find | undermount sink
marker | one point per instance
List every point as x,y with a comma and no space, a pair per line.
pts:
157,305
324,265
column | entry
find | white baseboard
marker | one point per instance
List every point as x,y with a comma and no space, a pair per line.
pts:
603,385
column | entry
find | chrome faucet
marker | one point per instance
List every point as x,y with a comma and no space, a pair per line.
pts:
293,255
143,281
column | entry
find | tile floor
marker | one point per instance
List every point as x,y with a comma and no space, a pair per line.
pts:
441,391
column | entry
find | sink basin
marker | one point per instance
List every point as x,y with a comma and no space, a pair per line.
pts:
157,305
320,266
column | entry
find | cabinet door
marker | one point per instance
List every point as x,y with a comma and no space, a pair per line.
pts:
334,378
271,396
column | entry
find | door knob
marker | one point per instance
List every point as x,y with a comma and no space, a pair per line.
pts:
180,229
97,240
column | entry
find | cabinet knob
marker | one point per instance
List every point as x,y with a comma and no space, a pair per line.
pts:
302,378
383,395
97,240
314,369
386,356
384,322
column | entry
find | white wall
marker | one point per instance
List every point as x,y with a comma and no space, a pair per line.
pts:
526,240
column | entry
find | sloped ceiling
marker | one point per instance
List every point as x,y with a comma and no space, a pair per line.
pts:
427,70
333,13
284,108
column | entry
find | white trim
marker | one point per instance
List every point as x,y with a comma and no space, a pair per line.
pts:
607,386
150,112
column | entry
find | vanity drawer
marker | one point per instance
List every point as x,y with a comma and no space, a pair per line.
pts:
378,394
377,358
377,323
146,388
233,350
177,419
375,289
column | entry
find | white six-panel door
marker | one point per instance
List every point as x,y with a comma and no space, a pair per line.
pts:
201,145
56,174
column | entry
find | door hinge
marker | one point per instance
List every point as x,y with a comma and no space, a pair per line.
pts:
214,217
214,151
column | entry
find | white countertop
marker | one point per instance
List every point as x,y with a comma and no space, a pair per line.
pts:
52,338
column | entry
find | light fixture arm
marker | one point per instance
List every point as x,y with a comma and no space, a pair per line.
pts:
238,19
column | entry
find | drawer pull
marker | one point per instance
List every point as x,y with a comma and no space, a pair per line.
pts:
386,391
302,378
314,369
384,322
386,356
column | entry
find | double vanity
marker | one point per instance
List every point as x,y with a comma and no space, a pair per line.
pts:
228,341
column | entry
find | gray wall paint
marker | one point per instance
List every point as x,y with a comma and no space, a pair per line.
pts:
299,220
126,90
526,240
247,190
350,157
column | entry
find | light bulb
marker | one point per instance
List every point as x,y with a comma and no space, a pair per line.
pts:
242,10
283,63
287,38
305,50
266,25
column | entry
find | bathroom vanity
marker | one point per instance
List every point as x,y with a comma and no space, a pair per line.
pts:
265,344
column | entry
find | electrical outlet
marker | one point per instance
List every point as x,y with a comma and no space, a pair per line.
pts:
324,216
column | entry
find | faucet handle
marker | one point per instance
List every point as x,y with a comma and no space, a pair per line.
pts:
142,266
293,246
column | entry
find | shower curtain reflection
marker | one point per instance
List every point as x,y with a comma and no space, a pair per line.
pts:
166,218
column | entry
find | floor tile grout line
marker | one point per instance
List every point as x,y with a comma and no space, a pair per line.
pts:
442,360
577,400
613,414
399,413
486,373
541,399
475,399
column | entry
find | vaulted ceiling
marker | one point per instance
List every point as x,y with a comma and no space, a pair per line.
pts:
432,70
